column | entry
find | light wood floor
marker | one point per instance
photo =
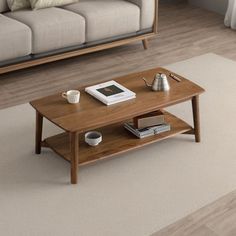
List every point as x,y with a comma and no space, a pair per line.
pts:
216,219
185,32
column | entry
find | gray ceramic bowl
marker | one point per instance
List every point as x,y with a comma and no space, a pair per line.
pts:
93,138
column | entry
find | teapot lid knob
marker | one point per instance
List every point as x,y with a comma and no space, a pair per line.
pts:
163,76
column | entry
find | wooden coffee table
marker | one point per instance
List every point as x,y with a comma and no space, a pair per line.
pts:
91,114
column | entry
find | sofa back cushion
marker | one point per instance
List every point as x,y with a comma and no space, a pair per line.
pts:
3,6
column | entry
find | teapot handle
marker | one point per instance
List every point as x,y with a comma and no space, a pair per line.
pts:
147,84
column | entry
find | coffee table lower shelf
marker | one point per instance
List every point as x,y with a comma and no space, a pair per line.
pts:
116,140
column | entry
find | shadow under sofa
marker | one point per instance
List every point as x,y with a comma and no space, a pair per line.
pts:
33,37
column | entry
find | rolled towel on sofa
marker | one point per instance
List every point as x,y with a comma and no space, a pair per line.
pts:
15,5
39,4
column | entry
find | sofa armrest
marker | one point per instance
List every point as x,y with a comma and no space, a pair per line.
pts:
148,11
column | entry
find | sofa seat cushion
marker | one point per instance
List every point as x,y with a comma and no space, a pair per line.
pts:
52,28
105,19
15,39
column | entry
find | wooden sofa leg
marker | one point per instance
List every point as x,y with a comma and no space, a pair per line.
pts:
145,44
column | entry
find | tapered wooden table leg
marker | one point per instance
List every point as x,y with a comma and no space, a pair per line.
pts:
74,157
196,118
39,128
145,44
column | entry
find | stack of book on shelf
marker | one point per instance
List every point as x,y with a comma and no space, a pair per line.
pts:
147,125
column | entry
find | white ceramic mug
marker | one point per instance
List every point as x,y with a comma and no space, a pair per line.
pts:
72,96
93,138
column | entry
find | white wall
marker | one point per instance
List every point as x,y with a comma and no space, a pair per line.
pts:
219,6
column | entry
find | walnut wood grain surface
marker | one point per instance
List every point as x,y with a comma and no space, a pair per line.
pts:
116,140
91,113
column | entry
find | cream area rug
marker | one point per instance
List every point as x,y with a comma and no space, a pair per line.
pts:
134,194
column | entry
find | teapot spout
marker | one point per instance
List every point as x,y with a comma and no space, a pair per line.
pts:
147,84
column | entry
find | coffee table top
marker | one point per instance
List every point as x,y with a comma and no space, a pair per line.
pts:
90,113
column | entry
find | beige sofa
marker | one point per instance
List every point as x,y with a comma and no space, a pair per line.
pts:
29,38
